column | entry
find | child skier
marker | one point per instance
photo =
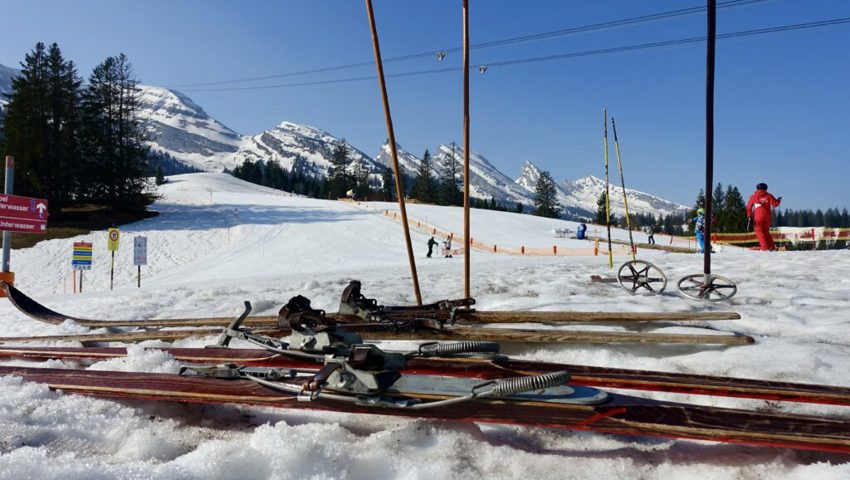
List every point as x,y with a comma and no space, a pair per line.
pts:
699,229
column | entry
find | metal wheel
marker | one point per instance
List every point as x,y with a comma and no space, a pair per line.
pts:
638,276
717,289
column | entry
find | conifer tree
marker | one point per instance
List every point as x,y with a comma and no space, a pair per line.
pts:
601,216
546,197
449,192
735,211
424,187
338,181
113,139
41,126
388,185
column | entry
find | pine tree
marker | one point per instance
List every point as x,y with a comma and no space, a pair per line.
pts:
338,180
113,138
362,187
424,187
601,216
160,175
449,192
41,126
718,209
388,185
735,211
545,197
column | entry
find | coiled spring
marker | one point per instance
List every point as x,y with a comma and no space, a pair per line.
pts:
508,386
436,349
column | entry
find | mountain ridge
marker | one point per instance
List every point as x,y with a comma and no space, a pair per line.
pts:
180,128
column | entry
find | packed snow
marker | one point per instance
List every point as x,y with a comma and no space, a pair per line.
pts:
219,241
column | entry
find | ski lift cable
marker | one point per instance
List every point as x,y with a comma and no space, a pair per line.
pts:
563,56
508,41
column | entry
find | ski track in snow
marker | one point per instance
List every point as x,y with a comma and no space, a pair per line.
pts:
208,252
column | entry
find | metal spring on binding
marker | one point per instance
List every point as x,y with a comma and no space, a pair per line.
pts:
509,386
457,348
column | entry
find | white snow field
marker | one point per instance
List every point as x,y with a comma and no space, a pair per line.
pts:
219,241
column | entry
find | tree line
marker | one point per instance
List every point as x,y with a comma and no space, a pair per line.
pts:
347,178
76,143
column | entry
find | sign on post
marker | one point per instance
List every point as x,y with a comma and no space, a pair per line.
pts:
140,251
23,214
112,236
81,259
140,256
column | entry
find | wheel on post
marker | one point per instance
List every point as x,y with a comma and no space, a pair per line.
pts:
638,276
717,289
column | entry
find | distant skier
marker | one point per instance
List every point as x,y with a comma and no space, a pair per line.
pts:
699,229
650,235
758,208
431,244
447,247
580,231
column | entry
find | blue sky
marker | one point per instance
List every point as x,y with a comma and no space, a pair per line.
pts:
782,99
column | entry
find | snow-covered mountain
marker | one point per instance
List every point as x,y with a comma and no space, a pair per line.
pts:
486,181
179,127
584,193
578,198
299,147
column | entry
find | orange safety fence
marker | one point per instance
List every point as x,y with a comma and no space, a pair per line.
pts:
552,251
804,234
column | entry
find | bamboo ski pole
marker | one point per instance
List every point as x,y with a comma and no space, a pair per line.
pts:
623,185
607,189
467,289
394,151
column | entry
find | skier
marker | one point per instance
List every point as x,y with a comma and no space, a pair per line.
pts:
758,207
699,229
447,247
580,231
431,244
650,235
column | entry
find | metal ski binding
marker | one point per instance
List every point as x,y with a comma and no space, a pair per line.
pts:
353,302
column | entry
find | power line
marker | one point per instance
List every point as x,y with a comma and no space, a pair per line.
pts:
496,43
562,56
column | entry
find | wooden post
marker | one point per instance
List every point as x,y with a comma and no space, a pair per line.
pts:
466,230
394,151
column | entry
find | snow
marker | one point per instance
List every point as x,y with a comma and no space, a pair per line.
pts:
219,241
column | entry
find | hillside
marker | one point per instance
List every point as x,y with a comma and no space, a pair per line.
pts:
219,241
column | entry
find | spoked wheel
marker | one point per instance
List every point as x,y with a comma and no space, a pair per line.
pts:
638,276
717,289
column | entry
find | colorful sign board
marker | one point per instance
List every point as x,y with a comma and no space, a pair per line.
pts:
112,237
23,214
140,251
81,259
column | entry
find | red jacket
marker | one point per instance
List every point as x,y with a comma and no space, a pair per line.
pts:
759,205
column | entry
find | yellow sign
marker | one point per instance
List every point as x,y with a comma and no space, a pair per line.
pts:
112,239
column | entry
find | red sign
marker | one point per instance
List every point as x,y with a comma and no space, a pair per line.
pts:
23,214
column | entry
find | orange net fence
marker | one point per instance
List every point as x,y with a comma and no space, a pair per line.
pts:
457,240
792,235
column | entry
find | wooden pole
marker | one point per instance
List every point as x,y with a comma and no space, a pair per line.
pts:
394,151
466,230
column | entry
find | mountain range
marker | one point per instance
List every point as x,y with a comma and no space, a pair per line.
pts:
181,129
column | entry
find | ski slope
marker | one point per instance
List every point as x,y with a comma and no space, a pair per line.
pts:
219,241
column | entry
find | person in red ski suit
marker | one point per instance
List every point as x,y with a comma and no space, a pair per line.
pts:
758,210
